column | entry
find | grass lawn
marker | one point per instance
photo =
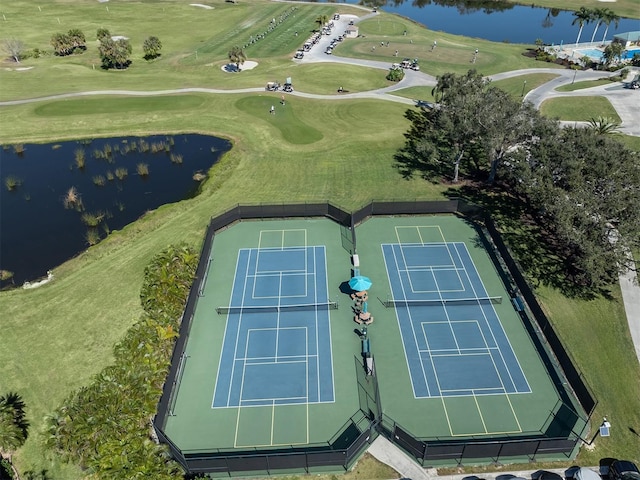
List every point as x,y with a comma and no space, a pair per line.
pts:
597,336
56,337
582,85
522,84
453,53
579,109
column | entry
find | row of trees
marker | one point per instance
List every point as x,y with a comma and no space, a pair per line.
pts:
582,186
584,16
106,427
114,53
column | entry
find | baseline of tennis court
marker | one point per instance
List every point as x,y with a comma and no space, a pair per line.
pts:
454,342
277,341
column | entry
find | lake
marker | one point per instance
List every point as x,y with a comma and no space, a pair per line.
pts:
500,21
57,199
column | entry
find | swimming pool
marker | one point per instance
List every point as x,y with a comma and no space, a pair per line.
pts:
597,54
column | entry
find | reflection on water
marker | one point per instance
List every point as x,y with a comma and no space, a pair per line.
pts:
497,21
57,199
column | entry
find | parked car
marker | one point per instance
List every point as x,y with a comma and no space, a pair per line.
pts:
623,470
299,54
546,475
583,473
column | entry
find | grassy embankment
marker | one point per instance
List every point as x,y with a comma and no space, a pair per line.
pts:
56,337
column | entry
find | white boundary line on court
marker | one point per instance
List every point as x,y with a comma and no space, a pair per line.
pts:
224,337
415,338
500,327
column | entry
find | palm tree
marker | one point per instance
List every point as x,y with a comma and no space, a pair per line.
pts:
612,52
321,21
13,425
604,125
609,17
597,16
583,16
237,56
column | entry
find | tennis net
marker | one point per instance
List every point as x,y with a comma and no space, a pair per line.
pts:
276,308
441,301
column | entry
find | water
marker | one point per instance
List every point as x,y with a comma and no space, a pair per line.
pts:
37,230
597,54
504,22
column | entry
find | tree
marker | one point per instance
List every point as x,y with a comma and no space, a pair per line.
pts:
73,41
77,39
152,47
583,16
115,53
608,17
474,123
612,53
321,21
102,33
13,424
14,48
61,43
585,189
237,56
597,15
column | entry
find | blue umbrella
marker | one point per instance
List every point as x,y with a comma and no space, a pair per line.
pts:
360,283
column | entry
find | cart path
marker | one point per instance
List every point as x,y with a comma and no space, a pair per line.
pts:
626,102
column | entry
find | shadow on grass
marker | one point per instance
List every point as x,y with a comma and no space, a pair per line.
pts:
532,245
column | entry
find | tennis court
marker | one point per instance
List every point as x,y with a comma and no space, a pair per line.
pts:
260,366
453,340
277,346
453,357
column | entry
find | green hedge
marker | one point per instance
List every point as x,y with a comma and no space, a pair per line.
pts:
105,427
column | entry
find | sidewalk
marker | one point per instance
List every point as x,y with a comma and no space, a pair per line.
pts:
389,454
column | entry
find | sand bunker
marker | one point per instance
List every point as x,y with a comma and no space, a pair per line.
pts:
232,68
208,7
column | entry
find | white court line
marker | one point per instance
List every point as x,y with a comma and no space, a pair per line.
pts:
454,263
235,351
224,338
413,330
446,314
484,291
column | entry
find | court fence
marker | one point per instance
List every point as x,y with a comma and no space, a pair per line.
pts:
364,426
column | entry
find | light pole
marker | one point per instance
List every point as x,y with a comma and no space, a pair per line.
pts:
575,72
524,85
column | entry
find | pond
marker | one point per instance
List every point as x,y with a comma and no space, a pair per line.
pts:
57,199
500,21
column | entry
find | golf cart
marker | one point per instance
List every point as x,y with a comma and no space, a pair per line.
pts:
288,86
272,86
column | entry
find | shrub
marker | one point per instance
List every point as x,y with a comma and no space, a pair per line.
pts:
121,173
142,169
99,180
395,74
72,199
12,183
80,159
83,430
176,158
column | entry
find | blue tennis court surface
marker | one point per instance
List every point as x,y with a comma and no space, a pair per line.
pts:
279,354
451,349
